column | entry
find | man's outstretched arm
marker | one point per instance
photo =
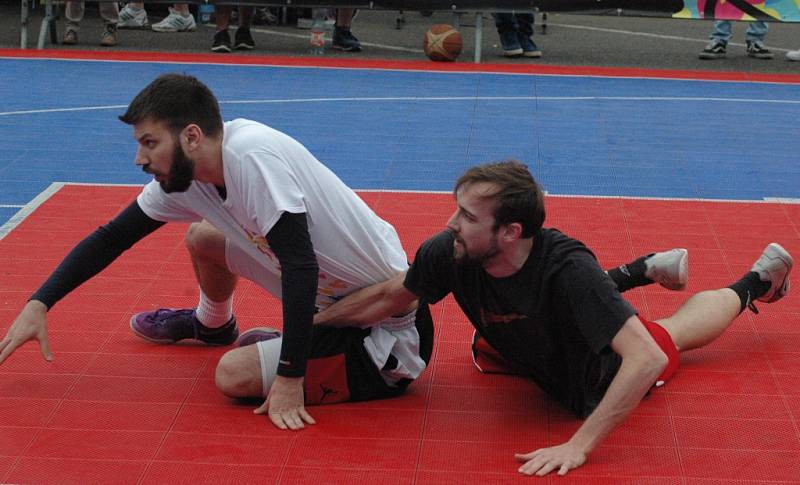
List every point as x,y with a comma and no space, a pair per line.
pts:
370,305
642,362
89,257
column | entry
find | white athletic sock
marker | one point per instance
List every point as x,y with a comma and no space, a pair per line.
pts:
214,314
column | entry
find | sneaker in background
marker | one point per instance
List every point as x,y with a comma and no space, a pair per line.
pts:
714,50
222,41
510,43
344,40
244,39
755,48
132,18
109,36
793,56
176,22
529,47
70,37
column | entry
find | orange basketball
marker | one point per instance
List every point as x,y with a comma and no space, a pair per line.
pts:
442,42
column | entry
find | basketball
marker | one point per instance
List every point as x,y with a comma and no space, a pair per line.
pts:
442,42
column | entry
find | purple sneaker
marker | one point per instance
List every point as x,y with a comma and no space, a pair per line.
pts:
257,334
167,326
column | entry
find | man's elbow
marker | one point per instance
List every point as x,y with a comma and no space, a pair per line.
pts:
656,361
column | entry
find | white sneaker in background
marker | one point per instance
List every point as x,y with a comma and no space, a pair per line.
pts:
132,18
176,22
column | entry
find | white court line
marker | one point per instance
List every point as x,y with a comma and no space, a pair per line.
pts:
11,206
439,99
28,209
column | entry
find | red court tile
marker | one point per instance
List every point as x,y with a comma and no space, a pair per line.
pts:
651,464
638,430
13,440
339,422
205,391
26,412
736,434
30,361
235,419
429,477
503,427
766,465
75,341
35,386
226,449
472,456
180,473
697,381
334,476
138,365
95,444
349,453
726,406
61,320
711,359
127,416
78,472
130,389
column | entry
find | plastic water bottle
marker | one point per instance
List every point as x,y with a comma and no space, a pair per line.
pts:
204,13
318,32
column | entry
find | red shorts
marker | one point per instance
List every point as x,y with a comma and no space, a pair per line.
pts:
489,361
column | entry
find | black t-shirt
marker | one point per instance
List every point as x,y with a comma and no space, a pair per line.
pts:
555,317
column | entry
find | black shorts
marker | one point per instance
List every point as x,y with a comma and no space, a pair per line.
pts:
340,369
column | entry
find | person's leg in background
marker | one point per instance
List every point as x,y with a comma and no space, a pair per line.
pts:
73,11
244,39
756,33
109,12
343,38
507,30
525,23
717,48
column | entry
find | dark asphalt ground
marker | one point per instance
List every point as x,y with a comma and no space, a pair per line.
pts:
570,39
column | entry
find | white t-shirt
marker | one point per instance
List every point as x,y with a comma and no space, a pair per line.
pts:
267,173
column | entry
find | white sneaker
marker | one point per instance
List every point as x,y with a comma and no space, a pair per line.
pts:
176,22
669,269
132,18
793,55
774,266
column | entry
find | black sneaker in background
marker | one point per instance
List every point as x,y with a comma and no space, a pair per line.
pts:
222,41
714,50
244,39
755,48
344,40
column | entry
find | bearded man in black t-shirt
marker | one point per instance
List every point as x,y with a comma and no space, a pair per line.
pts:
542,307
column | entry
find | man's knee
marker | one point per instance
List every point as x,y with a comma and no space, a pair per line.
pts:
202,239
237,375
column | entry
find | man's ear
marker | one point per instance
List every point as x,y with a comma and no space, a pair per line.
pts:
191,137
512,232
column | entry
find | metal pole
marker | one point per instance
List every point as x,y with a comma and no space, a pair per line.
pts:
23,30
478,36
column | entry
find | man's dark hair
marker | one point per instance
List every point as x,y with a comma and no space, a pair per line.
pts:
518,197
178,100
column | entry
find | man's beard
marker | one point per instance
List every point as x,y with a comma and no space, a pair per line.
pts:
181,173
468,259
